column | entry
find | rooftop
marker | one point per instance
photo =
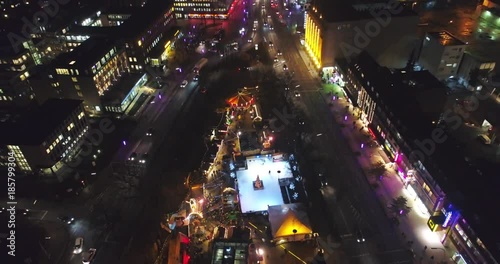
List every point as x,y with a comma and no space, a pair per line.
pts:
470,185
415,99
44,119
86,55
117,92
339,11
402,93
445,38
269,173
139,21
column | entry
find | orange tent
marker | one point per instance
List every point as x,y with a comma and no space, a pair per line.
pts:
242,99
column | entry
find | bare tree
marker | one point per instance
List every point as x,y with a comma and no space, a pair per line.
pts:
399,206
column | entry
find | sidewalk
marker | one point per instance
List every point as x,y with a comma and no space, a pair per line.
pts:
413,227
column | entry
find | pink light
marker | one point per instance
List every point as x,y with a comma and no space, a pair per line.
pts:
270,138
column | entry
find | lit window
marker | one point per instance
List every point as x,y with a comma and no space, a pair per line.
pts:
47,150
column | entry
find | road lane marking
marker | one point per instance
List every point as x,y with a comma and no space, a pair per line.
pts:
44,214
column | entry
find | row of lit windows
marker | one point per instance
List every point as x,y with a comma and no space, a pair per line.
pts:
191,4
24,76
202,9
137,67
77,38
74,141
118,16
103,60
72,44
20,159
67,71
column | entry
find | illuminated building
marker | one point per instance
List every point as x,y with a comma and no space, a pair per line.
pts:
471,62
441,54
403,111
61,127
18,54
209,9
491,3
488,24
89,71
336,30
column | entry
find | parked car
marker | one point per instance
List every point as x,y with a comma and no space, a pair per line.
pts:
297,94
23,212
144,158
77,249
66,219
149,132
133,156
196,77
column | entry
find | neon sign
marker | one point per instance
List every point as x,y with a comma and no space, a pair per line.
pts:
448,218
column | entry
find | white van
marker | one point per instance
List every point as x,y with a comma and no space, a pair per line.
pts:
77,249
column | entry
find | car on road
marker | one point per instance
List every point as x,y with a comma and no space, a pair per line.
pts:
279,53
297,94
271,27
196,77
149,132
275,59
23,212
322,179
144,158
285,68
184,83
271,44
89,256
360,237
78,247
287,88
66,219
301,121
250,40
254,29
132,156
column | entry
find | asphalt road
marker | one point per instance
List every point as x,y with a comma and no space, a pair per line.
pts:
358,208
